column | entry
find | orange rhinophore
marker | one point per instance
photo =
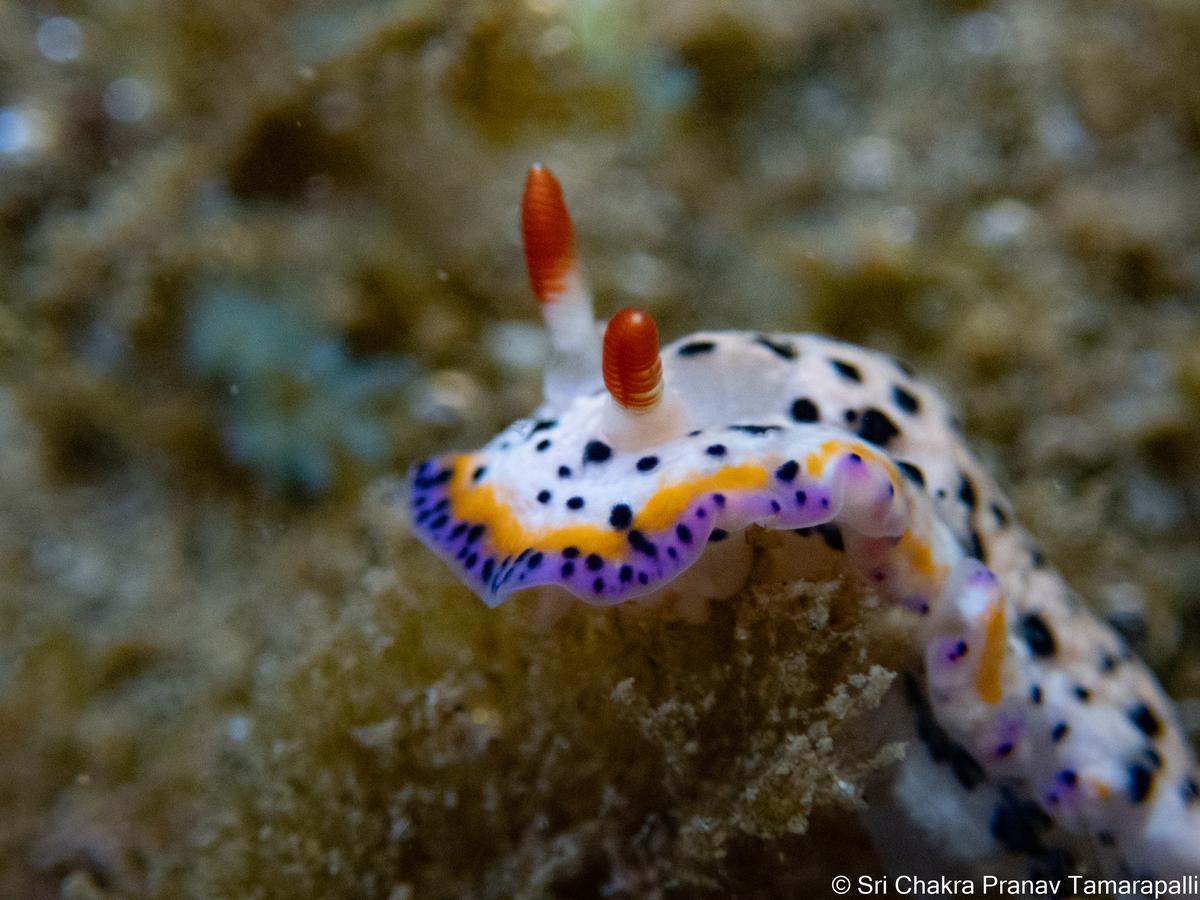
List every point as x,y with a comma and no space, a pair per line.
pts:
562,292
546,232
631,365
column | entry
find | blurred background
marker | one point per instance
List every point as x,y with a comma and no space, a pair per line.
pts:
257,256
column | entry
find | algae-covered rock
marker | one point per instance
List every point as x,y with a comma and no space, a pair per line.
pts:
593,752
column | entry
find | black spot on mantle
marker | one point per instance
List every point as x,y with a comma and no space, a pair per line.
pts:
621,516
1143,717
942,748
1017,825
782,349
1190,792
642,544
999,515
975,548
1038,636
596,452
804,410
756,430
876,427
1141,783
912,472
696,348
966,492
849,371
905,400
647,463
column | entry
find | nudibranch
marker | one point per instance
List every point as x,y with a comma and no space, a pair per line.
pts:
1038,740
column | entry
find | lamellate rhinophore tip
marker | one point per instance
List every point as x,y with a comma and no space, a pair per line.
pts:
631,364
546,234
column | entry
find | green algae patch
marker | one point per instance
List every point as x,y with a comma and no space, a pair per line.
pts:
431,746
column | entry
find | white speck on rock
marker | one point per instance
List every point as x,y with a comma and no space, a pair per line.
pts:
983,34
237,728
127,99
871,163
59,39
1003,223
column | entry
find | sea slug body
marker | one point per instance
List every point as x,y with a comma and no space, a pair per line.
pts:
1049,748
